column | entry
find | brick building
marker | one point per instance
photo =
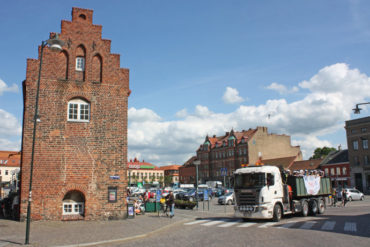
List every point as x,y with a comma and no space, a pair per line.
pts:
336,166
81,141
172,171
246,147
187,172
358,135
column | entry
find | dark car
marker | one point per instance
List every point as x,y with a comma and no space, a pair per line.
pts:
191,195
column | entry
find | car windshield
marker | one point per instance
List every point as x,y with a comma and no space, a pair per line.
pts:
229,194
248,180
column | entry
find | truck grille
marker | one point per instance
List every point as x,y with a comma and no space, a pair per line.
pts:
246,198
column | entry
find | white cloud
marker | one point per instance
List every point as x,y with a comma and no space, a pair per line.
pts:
142,115
5,88
309,144
9,125
182,113
282,89
331,95
231,96
9,145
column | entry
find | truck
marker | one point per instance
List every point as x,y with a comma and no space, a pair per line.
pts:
268,192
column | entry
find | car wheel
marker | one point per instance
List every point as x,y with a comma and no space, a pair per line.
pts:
349,199
229,202
362,198
277,213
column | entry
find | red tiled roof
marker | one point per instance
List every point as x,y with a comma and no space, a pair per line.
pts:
306,164
170,167
10,158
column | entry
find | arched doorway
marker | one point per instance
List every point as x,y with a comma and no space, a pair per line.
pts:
74,203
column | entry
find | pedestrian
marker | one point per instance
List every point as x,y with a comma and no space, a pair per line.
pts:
344,197
170,201
334,196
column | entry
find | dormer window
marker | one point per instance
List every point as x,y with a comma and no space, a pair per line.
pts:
80,64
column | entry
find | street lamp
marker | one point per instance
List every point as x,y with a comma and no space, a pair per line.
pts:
196,163
357,109
55,44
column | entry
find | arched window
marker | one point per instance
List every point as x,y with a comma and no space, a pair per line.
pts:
96,68
74,203
80,63
78,110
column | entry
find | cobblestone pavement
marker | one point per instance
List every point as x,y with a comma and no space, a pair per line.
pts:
88,233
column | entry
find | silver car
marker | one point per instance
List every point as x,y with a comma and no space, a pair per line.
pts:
354,194
228,199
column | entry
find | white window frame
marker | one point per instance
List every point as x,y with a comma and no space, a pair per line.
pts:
77,208
355,145
80,63
78,104
365,144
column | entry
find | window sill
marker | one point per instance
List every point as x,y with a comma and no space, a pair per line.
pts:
78,121
72,217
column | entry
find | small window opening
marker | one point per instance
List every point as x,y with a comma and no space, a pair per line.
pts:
82,16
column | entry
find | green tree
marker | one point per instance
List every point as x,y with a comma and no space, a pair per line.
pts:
161,181
167,180
321,153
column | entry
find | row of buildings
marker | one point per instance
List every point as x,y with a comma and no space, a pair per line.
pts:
74,139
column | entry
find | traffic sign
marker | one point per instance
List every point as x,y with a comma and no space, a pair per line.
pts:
223,171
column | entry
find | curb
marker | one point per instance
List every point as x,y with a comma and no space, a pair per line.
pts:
120,240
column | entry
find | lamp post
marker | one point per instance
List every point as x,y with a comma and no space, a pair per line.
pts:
357,109
55,45
196,163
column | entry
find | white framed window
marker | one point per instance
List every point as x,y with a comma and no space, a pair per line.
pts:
344,171
338,170
78,110
365,144
80,63
355,145
326,171
332,172
73,208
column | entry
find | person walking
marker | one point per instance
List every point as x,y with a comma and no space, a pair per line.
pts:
170,201
344,197
334,195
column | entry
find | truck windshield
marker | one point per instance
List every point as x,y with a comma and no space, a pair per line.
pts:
248,180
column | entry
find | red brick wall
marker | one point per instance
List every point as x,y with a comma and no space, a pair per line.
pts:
76,155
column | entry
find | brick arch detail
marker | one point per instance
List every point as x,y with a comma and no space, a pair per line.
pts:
76,95
74,187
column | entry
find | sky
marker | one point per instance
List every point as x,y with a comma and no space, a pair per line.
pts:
204,67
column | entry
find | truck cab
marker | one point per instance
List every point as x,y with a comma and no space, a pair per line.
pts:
257,190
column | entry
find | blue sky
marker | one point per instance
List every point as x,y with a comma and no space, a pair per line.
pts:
204,67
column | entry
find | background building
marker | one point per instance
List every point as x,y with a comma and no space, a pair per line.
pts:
336,166
358,135
80,158
187,172
144,172
246,147
171,171
9,171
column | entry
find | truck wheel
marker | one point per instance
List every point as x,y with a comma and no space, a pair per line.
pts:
277,213
321,206
304,208
313,207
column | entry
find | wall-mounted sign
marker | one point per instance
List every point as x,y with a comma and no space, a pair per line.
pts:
114,177
112,194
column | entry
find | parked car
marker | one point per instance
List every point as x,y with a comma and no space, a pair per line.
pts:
352,194
191,195
228,199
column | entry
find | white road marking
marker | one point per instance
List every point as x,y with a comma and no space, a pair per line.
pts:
230,224
308,225
267,225
247,224
287,225
328,225
213,223
196,222
350,227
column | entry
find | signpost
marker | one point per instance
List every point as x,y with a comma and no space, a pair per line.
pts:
223,173
157,199
205,198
